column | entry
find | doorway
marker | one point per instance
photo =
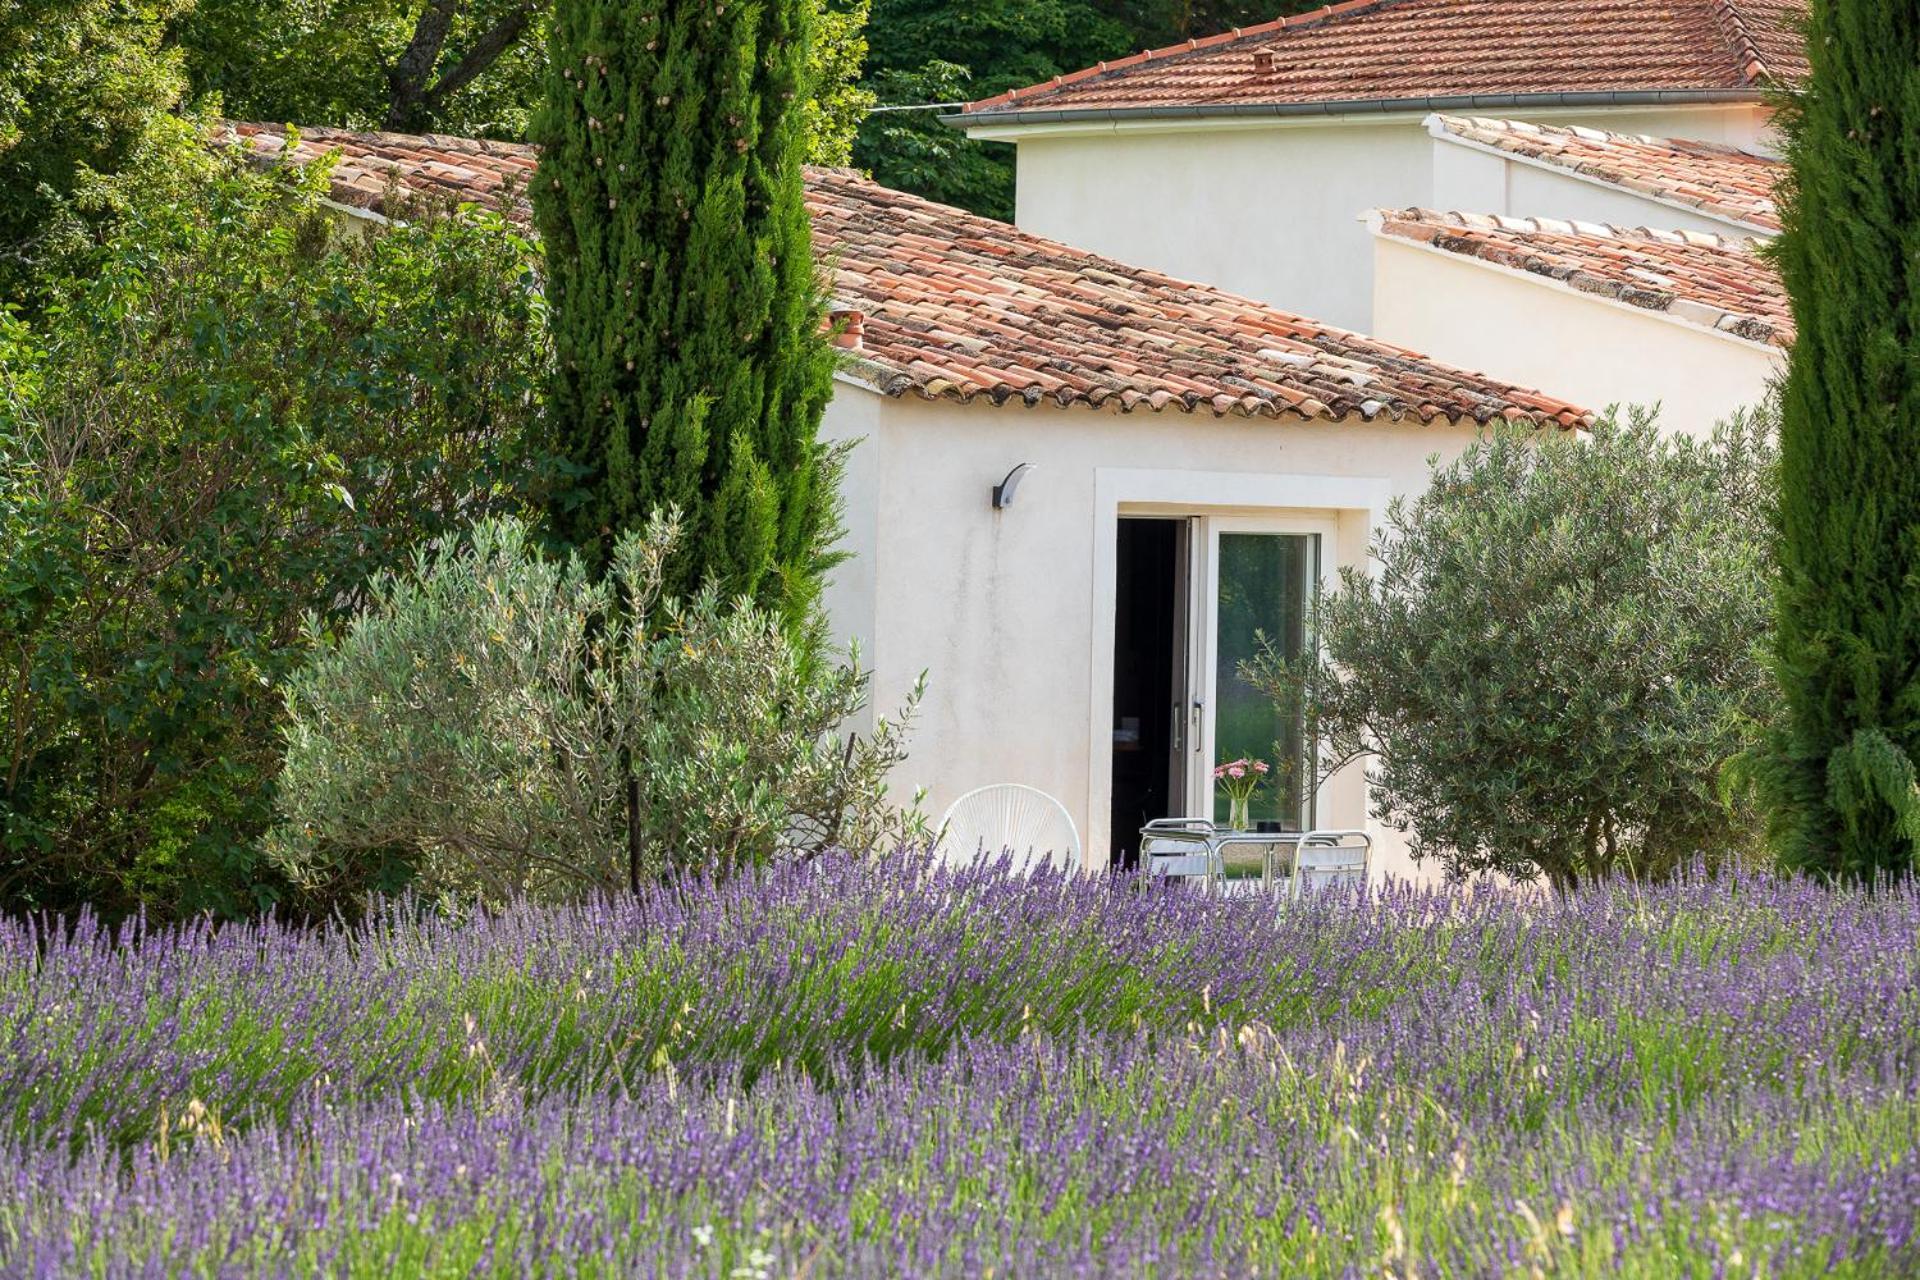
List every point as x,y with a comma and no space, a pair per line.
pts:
1195,597
1150,661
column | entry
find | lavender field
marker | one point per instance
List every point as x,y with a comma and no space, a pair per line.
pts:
853,1070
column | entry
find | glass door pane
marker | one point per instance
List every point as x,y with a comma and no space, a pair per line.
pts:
1264,584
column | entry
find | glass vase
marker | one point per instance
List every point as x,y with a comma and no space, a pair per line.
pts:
1237,813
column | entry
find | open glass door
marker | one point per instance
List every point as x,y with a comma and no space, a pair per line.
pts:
1259,584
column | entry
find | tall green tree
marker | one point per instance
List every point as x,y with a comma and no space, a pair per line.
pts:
690,366
1847,797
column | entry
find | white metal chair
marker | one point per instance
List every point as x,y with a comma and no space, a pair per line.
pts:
1326,859
1181,849
1006,816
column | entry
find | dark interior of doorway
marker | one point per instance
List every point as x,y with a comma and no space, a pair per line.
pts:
1148,662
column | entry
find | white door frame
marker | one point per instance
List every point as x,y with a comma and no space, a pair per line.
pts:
1138,491
1207,612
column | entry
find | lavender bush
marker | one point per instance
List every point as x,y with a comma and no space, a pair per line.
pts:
865,1067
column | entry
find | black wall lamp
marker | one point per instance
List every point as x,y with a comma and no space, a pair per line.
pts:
1004,491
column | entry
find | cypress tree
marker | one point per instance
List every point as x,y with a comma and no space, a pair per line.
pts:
690,366
1848,643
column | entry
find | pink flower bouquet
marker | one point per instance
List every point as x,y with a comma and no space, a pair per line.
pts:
1240,779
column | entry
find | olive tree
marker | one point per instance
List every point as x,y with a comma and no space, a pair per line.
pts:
1560,645
513,724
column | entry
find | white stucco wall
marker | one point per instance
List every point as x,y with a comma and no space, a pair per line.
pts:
1268,208
1538,333
849,596
1011,612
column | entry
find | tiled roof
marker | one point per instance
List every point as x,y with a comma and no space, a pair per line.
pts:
956,306
1387,51
419,166
1724,182
1713,281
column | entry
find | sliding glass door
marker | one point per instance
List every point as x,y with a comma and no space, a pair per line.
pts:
1260,581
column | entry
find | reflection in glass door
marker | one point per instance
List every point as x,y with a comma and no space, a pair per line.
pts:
1261,589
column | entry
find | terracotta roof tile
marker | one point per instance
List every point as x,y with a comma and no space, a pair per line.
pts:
1713,281
956,306
1722,181
1384,51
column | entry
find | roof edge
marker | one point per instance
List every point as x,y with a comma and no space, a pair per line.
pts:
1425,105
880,380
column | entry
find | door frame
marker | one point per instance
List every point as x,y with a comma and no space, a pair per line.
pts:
1206,626
1355,504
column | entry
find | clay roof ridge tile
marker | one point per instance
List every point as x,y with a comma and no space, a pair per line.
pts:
1733,25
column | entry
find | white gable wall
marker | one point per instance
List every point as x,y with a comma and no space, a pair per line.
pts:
1537,332
1470,179
1270,207
1011,612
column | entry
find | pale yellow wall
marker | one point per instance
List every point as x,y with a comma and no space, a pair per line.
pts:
1581,348
1267,208
1011,612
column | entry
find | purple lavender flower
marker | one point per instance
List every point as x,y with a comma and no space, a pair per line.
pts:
875,1066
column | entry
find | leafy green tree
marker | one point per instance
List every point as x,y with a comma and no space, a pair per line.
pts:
452,723
1846,797
938,51
1562,646
838,101
83,84
690,367
230,422
470,67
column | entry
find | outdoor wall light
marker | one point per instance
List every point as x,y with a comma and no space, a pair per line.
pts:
1004,491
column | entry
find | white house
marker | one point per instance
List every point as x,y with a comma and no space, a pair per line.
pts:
1245,160
1078,489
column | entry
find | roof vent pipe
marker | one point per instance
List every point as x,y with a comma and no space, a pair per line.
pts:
848,328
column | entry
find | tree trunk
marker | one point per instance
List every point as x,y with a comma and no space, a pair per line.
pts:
415,96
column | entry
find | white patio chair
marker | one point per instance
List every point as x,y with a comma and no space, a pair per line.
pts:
990,820
1326,859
